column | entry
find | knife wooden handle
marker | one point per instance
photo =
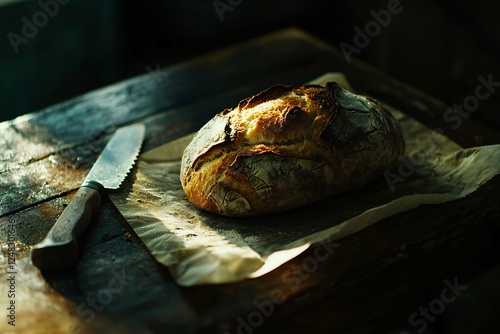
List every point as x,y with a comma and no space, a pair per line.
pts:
59,249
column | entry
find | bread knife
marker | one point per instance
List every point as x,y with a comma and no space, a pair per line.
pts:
59,249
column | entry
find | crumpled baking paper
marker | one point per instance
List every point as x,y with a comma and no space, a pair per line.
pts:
201,248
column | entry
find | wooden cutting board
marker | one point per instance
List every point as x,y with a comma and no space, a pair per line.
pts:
372,280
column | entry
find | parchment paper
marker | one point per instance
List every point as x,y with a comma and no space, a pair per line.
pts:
201,248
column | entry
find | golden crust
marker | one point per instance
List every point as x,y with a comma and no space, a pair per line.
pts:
287,147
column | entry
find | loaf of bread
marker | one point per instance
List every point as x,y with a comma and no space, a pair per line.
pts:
286,147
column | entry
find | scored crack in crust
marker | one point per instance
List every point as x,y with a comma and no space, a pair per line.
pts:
286,147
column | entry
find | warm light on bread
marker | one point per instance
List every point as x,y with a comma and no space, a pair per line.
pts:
287,147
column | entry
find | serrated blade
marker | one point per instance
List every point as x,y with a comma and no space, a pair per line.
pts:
118,157
59,249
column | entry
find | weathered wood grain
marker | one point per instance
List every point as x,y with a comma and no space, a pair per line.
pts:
75,131
361,283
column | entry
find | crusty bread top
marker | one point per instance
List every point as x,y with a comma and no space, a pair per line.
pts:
280,114
336,139
276,118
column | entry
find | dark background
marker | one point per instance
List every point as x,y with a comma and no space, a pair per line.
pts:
439,47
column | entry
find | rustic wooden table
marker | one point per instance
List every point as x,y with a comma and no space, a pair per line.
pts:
372,279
